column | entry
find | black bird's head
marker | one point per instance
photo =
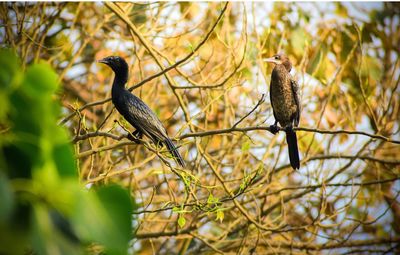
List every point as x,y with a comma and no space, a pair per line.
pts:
117,64
280,59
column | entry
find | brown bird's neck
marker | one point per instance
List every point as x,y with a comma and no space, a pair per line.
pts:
287,65
280,71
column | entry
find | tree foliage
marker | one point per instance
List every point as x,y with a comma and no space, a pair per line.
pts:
199,67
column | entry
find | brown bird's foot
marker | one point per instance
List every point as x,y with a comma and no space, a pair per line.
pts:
274,129
135,136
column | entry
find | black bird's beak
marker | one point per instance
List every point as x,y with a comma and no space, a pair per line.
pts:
104,61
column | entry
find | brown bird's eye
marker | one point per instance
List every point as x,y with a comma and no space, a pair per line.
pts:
276,57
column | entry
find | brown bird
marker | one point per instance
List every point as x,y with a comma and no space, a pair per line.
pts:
284,96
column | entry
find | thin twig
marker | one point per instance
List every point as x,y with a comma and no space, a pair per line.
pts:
254,108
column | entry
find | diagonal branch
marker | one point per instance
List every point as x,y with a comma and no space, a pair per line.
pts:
63,121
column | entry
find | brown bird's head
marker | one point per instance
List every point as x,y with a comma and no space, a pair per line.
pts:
280,59
117,64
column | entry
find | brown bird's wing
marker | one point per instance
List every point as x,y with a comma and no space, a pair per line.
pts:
272,102
295,90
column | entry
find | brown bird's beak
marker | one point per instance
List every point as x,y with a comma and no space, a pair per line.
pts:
271,60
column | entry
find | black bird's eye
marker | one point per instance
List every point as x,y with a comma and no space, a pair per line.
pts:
276,57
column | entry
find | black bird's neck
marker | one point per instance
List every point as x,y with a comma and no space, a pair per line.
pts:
121,77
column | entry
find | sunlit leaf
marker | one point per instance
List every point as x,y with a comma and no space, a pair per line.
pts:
181,220
246,146
220,215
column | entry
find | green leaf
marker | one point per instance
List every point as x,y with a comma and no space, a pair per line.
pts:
9,76
108,219
6,198
40,81
9,67
52,235
181,220
212,200
119,206
19,160
65,163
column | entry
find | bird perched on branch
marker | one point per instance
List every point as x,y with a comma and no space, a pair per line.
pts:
284,96
135,111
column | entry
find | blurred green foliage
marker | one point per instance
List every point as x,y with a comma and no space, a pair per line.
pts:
44,209
345,59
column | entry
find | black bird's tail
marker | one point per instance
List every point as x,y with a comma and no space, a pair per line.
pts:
291,140
171,147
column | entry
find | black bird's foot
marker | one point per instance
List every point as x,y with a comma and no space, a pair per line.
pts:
138,134
289,128
135,136
274,129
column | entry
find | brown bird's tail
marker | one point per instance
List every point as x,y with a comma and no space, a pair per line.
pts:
291,140
171,147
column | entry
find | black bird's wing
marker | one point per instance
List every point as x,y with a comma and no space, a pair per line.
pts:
134,110
295,90
139,115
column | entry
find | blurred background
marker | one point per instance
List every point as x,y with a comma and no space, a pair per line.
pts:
199,67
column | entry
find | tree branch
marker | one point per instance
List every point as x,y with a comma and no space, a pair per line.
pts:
267,128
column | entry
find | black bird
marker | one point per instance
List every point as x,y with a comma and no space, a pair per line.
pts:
284,96
135,111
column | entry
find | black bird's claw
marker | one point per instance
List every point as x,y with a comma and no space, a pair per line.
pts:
135,137
274,129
